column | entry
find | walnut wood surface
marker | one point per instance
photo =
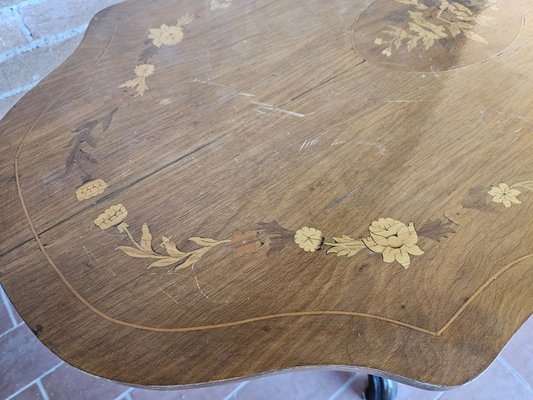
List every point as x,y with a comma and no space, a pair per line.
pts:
243,125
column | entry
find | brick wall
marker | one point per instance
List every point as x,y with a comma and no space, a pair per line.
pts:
35,37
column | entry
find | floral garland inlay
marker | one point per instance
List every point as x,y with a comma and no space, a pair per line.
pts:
428,24
391,238
165,35
394,240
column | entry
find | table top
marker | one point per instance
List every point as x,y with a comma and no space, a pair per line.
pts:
212,190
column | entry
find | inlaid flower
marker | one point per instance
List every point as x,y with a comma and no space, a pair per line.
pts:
218,4
309,239
504,194
166,35
394,240
244,243
91,189
144,70
113,216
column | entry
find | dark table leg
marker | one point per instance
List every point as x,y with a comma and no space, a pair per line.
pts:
380,389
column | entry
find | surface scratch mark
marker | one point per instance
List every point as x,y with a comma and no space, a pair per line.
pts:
274,109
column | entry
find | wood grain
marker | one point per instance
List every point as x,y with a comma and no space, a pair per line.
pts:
206,192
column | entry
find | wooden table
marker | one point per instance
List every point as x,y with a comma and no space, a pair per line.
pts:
214,190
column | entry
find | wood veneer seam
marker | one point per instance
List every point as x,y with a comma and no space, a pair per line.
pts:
71,288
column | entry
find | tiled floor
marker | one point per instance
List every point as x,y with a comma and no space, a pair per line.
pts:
35,37
29,371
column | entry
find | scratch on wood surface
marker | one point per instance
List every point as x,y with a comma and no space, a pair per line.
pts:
165,241
308,143
402,101
166,102
201,291
91,256
165,292
338,142
381,148
272,108
520,117
517,134
339,200
209,83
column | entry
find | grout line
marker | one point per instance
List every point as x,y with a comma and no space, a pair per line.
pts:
35,381
125,395
22,25
515,374
6,301
21,89
22,4
235,392
343,388
43,390
43,42
10,330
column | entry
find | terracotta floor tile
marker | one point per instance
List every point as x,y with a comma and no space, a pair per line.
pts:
495,384
32,393
5,320
68,383
309,385
357,389
411,393
519,352
24,359
8,316
218,392
352,389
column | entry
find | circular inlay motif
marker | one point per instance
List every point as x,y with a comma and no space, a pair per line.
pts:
435,35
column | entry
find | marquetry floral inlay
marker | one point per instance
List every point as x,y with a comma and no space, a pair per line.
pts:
394,240
433,21
218,4
91,189
508,195
142,72
169,35
309,239
113,216
174,256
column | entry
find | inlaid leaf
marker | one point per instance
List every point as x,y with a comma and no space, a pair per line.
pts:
437,230
275,229
193,259
185,20
134,252
107,119
147,54
454,29
172,249
346,246
524,185
204,242
146,239
166,262
475,37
